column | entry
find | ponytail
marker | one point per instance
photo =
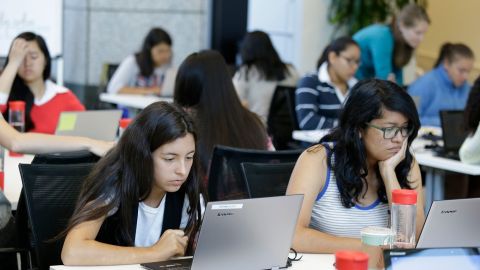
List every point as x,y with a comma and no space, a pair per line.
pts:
337,46
450,51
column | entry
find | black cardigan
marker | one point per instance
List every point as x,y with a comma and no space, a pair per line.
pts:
110,232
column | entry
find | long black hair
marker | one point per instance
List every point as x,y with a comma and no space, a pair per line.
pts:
337,46
472,109
125,175
451,51
204,85
144,57
20,91
366,102
257,50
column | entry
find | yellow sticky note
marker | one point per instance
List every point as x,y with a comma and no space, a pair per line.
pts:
67,121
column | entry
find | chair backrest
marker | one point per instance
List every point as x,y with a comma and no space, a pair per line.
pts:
265,179
66,158
225,181
282,119
51,192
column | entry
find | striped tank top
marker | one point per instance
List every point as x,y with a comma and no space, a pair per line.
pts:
330,216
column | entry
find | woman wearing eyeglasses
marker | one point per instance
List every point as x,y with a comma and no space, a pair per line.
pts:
348,178
319,96
446,86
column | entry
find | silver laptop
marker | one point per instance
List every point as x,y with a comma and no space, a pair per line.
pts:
243,234
168,85
452,223
100,124
432,258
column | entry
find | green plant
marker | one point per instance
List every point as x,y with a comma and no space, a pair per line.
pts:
352,15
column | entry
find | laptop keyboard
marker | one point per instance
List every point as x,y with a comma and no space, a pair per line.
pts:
181,264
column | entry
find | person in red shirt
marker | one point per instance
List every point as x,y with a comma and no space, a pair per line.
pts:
26,77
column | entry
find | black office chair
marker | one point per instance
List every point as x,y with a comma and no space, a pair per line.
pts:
108,69
282,118
225,181
266,180
51,193
25,243
75,157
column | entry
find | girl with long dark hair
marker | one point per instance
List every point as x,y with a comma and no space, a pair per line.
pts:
26,77
145,72
141,202
204,87
260,73
349,176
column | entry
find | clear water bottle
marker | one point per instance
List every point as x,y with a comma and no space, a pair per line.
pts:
16,118
403,217
123,124
2,168
16,115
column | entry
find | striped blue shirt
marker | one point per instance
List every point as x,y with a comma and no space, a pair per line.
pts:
318,102
330,216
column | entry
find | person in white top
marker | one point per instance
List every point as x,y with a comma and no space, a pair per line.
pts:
261,72
146,71
470,149
141,203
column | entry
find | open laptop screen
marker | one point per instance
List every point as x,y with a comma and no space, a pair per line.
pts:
433,258
453,130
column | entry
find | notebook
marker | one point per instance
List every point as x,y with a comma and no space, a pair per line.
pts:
99,125
243,234
453,133
433,258
452,223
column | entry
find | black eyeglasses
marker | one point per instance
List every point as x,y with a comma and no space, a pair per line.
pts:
351,61
391,132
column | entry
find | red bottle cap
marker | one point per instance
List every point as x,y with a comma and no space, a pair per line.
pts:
351,260
404,196
17,105
124,122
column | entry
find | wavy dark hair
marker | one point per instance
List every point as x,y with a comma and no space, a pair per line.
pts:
366,102
451,51
472,109
409,16
257,50
125,175
204,85
337,46
144,57
20,91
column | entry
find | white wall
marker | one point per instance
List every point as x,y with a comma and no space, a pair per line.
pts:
298,28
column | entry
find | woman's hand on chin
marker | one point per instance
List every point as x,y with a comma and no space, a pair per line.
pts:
391,163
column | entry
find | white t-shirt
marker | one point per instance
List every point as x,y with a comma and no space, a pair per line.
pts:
128,75
150,221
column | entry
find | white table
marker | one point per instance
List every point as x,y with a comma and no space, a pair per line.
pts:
132,101
435,167
309,261
13,181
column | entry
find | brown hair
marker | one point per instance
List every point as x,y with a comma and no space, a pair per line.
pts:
451,51
409,16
